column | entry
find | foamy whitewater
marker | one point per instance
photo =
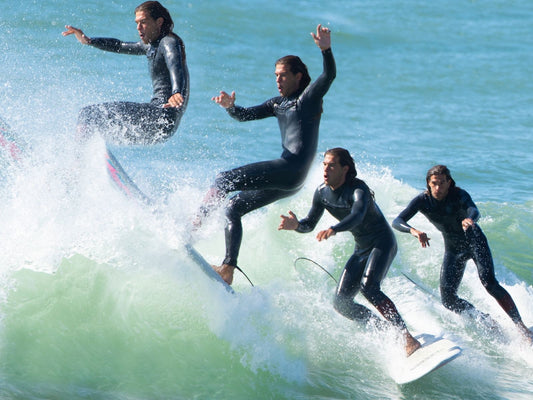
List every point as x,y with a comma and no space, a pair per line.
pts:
98,300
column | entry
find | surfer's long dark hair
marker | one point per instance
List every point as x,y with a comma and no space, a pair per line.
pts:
296,65
345,159
156,10
440,170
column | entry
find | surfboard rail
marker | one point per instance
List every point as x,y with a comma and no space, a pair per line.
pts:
122,180
206,267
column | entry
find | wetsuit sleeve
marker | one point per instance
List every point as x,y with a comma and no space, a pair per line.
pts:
117,46
357,213
174,53
315,213
468,204
252,113
322,84
400,222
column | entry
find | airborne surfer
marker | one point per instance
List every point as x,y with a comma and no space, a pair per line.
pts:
142,123
298,110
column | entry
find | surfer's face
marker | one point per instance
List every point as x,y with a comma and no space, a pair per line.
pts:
288,83
149,29
334,172
439,186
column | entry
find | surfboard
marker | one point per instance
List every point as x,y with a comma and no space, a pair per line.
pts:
422,286
206,267
8,144
122,179
125,184
434,353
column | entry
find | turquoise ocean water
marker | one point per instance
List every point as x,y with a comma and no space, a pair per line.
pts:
97,299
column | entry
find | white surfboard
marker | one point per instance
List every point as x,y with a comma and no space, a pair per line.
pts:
434,353
206,267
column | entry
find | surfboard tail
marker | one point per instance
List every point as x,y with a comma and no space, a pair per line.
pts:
434,353
206,267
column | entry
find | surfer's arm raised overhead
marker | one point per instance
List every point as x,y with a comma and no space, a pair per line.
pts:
322,37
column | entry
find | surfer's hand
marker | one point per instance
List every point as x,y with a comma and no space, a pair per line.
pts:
288,223
224,99
467,223
421,236
176,100
70,30
322,37
325,235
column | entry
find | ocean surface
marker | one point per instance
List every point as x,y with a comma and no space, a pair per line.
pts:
98,299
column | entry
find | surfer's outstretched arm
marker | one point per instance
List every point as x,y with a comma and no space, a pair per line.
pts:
82,38
288,222
225,100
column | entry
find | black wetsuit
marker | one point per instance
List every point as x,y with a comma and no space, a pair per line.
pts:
142,123
264,182
375,248
459,247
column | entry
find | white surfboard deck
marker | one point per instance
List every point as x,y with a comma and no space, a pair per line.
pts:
434,353
206,267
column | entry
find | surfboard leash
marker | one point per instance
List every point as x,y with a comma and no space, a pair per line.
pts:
316,264
246,276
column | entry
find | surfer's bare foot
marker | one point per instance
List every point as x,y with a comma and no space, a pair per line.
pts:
411,344
226,272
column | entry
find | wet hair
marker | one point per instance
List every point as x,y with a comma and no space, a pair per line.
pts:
440,170
296,65
345,159
156,11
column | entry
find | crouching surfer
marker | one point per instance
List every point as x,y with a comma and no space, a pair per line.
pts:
352,202
453,212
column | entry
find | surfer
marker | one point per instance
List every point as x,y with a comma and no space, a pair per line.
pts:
298,110
142,123
453,212
351,201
